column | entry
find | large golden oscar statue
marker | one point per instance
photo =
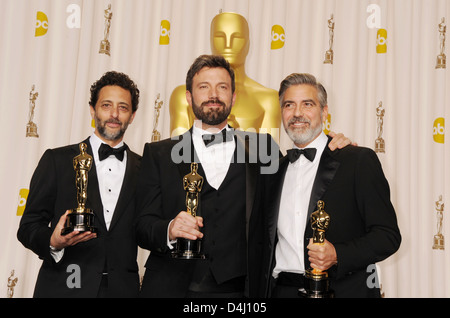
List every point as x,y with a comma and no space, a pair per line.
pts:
256,106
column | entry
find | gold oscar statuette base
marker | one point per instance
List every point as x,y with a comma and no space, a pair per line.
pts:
81,220
188,249
316,285
379,145
32,130
438,242
441,61
328,57
104,47
156,136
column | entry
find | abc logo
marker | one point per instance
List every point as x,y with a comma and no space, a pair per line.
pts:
439,130
327,124
23,195
164,33
278,37
41,24
381,41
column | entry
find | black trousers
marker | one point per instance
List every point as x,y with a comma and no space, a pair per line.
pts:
286,285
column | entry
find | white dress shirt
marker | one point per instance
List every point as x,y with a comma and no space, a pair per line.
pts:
293,210
110,173
215,161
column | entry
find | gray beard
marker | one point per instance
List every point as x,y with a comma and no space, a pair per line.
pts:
112,136
304,136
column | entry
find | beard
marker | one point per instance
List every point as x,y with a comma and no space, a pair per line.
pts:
303,135
110,135
211,116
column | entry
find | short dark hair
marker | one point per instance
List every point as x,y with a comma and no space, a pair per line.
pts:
211,61
306,79
113,78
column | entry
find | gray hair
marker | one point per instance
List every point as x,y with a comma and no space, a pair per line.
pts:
306,79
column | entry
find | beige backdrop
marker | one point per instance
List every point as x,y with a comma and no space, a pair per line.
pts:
384,52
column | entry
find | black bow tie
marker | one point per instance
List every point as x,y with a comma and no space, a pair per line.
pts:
294,154
223,136
105,151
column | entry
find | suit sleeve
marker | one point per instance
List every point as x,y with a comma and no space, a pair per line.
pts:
34,230
381,233
151,227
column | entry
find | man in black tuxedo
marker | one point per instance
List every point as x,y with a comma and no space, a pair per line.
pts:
230,166
87,264
363,227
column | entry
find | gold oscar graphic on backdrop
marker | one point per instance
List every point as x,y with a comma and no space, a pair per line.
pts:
257,107
164,33
31,126
81,219
441,58
105,46
278,37
316,281
192,184
438,241
12,282
329,53
41,24
439,130
379,142
381,41
156,135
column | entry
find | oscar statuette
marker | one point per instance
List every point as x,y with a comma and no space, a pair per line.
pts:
31,126
156,135
192,183
316,281
379,142
438,240
81,219
105,46
329,53
441,58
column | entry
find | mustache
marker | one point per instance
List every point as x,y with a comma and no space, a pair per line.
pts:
298,120
213,101
113,121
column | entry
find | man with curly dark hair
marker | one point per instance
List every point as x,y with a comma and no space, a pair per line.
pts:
100,261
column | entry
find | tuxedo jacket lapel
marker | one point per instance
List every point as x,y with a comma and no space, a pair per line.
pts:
275,189
251,173
94,199
184,167
127,190
325,174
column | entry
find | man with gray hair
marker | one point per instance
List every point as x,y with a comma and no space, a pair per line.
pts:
350,181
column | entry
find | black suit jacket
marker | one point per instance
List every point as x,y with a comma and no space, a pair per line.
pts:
363,225
52,192
162,197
